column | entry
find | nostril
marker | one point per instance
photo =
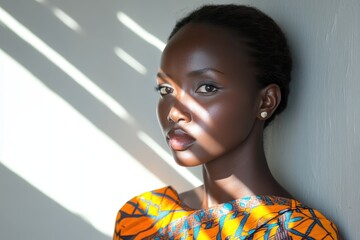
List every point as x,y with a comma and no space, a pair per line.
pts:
178,115
170,119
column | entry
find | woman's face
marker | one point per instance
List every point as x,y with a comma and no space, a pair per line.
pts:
209,98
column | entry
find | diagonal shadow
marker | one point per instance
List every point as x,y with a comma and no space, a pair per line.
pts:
33,215
91,108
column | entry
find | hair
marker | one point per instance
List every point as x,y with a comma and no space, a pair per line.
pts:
264,41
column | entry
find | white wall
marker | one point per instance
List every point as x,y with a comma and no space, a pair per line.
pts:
77,122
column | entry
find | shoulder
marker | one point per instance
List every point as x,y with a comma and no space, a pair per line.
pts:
309,222
158,198
298,221
141,213
193,197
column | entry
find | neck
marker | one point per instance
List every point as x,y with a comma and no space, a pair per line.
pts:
242,172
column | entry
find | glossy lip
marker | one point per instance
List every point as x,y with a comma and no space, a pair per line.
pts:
179,140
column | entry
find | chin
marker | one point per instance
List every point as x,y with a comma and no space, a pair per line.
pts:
186,159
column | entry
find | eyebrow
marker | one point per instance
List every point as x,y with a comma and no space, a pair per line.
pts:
162,75
192,73
203,70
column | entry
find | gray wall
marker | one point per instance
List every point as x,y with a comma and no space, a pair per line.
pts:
67,152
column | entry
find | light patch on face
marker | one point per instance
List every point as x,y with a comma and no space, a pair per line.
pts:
220,121
213,146
180,94
198,112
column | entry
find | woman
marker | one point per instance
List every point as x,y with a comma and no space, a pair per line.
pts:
224,76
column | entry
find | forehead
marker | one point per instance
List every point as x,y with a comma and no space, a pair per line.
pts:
198,45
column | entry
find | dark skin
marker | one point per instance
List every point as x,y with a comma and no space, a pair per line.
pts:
210,111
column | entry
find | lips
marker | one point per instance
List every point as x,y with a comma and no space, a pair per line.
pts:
179,140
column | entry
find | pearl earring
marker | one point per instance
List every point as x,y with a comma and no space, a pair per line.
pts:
263,114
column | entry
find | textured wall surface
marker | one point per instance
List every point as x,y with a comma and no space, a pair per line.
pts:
78,114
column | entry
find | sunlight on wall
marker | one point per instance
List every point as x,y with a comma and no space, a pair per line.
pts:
169,159
73,72
57,150
64,65
140,31
66,19
132,62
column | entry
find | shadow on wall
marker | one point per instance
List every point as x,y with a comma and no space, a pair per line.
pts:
92,53
35,216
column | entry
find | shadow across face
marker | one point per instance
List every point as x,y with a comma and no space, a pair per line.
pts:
209,96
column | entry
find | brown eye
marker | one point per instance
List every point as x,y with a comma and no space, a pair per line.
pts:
165,90
206,88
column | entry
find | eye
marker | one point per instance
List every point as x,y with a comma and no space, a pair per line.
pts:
206,88
164,90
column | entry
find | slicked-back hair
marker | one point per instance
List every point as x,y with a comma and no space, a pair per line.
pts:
264,42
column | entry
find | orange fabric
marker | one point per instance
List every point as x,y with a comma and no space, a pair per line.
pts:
160,214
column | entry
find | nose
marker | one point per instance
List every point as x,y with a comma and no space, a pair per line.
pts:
179,112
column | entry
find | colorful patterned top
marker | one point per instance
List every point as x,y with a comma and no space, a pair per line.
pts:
160,214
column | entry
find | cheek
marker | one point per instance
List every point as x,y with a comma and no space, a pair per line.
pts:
228,119
209,121
207,127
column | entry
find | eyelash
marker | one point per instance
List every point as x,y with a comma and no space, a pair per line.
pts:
170,90
214,88
159,89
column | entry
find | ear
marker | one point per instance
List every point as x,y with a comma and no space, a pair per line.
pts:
270,99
